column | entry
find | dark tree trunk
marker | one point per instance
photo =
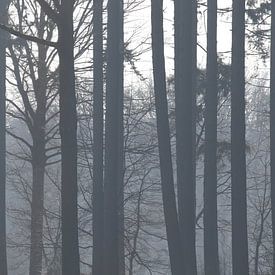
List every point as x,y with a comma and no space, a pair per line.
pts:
211,255
113,182
98,197
38,161
166,169
68,132
238,159
3,42
272,126
185,81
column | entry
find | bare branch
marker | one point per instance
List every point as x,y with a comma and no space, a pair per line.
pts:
28,37
19,138
48,10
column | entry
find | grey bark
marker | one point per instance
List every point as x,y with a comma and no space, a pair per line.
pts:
185,87
238,158
113,181
68,132
211,254
98,195
163,131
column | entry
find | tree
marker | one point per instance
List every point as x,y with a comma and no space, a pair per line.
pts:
98,195
185,75
113,181
39,160
211,254
166,169
68,133
63,17
3,44
272,127
33,113
238,144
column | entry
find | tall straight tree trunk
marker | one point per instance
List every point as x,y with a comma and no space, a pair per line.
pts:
185,75
68,132
272,126
211,255
3,42
166,169
238,158
113,181
98,197
38,160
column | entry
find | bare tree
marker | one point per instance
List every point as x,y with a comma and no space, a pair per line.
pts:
34,113
166,169
62,15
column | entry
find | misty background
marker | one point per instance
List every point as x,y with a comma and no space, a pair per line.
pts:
106,147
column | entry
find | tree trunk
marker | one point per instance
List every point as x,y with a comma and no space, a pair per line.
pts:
238,158
68,132
272,126
98,197
113,182
38,161
211,255
185,82
166,169
3,38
